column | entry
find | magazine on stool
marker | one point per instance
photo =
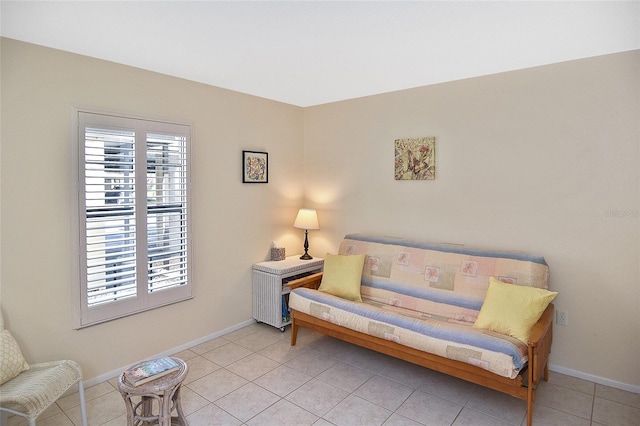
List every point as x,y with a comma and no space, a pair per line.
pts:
150,370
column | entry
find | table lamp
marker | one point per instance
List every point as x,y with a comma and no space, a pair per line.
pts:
306,219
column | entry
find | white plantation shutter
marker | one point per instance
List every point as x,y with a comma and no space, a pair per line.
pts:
132,203
166,211
110,227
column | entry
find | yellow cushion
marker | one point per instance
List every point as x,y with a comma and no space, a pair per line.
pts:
342,276
12,362
512,309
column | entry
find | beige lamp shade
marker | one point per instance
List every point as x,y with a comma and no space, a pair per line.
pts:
306,219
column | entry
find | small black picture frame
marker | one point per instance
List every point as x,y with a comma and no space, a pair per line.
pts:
255,167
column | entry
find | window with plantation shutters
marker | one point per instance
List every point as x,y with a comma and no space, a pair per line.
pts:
132,203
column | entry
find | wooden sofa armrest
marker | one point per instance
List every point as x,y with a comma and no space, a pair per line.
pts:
541,328
310,281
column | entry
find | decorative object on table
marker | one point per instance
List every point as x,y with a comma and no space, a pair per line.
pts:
415,158
306,219
150,370
255,167
277,252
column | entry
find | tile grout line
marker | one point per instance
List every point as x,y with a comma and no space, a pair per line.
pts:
593,406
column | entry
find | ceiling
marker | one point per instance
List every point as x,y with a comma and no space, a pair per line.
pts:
312,52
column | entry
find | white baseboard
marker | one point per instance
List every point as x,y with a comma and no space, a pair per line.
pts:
115,373
596,379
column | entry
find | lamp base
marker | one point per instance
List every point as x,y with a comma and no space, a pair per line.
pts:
306,256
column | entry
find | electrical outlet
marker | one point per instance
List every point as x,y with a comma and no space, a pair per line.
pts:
562,317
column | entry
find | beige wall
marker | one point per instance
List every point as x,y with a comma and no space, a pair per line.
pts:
531,160
534,160
234,223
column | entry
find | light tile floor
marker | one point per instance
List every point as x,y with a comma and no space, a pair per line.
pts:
252,376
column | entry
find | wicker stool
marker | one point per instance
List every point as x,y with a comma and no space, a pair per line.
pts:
165,391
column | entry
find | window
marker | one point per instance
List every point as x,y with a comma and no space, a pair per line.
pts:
132,222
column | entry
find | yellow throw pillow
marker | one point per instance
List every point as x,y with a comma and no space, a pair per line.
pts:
512,309
12,362
342,276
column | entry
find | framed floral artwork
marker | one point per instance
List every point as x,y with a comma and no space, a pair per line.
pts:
415,158
255,167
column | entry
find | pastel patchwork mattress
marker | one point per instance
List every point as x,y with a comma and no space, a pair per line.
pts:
498,353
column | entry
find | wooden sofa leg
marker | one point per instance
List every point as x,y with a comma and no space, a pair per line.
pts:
530,392
546,372
530,385
294,332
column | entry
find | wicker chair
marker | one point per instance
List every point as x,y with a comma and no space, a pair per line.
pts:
34,390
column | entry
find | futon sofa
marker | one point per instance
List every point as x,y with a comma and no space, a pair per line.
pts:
480,315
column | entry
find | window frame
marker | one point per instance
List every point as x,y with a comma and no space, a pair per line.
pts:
145,299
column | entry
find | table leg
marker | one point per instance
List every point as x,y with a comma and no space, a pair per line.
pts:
181,417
